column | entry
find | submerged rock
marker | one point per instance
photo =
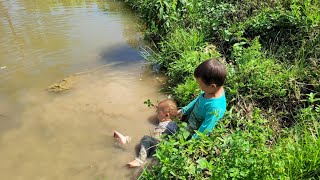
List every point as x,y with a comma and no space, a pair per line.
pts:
63,85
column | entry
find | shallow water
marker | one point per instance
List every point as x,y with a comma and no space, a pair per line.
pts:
68,135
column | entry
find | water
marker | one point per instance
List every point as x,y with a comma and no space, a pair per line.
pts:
68,135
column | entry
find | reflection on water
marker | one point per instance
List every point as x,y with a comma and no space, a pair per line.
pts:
69,135
124,54
57,37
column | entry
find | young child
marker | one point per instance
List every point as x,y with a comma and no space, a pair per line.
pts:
166,110
208,108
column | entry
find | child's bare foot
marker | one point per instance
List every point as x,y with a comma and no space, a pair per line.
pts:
121,138
135,163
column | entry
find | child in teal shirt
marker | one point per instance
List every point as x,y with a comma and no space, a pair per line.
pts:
209,107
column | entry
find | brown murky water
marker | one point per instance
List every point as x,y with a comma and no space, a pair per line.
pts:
44,135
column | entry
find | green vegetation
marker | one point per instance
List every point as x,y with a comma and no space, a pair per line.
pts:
272,51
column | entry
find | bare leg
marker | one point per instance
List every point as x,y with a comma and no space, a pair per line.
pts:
147,146
121,138
135,163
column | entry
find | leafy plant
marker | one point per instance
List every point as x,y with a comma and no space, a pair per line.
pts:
256,76
188,90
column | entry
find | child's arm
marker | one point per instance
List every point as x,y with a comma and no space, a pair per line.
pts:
188,108
210,120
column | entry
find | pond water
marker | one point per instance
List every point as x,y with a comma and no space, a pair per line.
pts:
68,135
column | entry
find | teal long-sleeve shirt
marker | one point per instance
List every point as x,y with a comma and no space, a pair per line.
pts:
203,114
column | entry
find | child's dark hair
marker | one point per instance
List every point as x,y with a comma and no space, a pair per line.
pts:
211,71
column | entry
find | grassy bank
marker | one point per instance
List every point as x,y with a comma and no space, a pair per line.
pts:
271,49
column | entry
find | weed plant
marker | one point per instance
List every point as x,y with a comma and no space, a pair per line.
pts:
258,78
